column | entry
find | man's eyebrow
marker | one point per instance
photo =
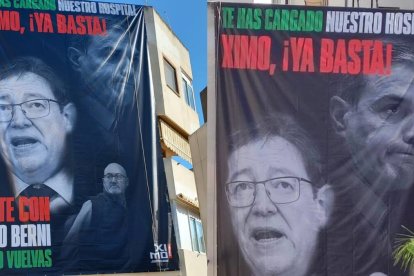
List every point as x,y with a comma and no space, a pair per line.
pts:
33,95
278,172
244,172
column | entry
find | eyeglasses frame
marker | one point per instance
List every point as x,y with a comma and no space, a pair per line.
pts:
124,178
24,112
300,179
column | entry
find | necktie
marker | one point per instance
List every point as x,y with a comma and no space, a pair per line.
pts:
39,190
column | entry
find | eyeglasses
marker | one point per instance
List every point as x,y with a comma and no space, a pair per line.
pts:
32,109
117,176
280,190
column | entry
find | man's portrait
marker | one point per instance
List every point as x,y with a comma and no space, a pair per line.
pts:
105,85
374,115
115,183
115,180
112,93
373,118
96,237
278,201
106,68
36,121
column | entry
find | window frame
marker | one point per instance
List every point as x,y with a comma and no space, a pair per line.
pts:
176,90
196,247
185,79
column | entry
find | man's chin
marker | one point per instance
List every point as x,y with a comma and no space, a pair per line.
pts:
269,266
271,262
392,177
115,191
401,177
30,170
29,176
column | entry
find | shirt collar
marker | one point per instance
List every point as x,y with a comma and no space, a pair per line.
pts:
61,183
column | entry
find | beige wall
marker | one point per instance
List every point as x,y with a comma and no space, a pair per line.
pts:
195,264
198,145
163,43
179,179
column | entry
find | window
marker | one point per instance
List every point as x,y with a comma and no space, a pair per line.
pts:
170,76
197,236
188,93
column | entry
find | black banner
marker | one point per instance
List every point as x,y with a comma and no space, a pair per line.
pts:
315,140
83,189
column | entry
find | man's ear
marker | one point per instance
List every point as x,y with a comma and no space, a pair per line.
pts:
338,108
325,201
69,114
75,56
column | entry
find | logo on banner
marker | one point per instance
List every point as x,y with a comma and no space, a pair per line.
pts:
161,254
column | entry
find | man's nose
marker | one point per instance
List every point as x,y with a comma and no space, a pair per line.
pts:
408,130
19,118
263,205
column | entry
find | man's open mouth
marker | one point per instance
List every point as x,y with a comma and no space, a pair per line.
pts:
265,235
23,142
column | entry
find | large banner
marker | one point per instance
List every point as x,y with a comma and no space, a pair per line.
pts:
83,189
315,140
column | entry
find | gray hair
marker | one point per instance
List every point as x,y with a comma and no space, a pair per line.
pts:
22,65
284,126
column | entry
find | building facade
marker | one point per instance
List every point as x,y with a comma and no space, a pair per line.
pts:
177,120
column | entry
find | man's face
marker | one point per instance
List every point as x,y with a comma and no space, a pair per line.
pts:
107,67
379,130
33,149
276,239
115,180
